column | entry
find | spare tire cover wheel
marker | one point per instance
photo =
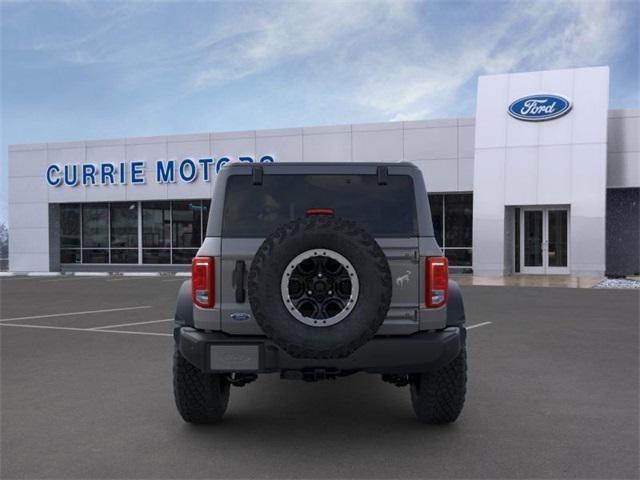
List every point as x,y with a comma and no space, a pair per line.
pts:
320,287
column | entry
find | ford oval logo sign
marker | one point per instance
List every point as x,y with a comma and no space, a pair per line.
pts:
536,108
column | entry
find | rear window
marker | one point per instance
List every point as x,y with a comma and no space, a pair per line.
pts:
257,210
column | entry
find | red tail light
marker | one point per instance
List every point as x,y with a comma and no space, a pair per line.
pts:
320,211
203,281
437,284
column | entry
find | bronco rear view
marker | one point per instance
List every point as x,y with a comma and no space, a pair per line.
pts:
317,271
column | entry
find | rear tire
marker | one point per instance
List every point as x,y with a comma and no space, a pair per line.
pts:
438,397
200,397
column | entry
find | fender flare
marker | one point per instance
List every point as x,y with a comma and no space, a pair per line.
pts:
184,308
455,306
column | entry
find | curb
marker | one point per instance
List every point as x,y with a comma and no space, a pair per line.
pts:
96,274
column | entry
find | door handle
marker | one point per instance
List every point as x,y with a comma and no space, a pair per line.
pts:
238,281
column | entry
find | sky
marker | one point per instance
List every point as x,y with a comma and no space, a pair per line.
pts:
74,70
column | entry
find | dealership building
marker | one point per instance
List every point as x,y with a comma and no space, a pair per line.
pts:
544,180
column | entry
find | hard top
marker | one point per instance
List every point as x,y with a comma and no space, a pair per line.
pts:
425,226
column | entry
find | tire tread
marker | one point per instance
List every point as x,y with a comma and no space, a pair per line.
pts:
200,397
438,397
339,226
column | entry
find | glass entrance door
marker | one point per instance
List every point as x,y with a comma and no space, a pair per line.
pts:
557,243
544,240
533,242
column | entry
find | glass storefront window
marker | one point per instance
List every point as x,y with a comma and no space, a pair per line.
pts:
127,255
70,255
186,223
124,225
156,224
458,257
458,220
95,255
69,226
436,204
108,232
183,255
452,215
95,225
158,255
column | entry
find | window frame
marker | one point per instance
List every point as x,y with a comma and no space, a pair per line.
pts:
139,224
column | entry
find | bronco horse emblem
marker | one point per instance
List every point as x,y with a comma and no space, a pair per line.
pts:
400,281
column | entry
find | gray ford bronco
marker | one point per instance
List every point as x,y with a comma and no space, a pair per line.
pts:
317,271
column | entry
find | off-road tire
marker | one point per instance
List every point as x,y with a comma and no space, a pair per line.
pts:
317,232
438,397
200,397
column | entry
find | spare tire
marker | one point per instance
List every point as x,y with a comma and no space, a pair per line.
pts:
320,287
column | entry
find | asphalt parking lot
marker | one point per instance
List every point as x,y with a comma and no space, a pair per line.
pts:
86,393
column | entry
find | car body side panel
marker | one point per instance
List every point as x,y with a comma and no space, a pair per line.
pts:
237,318
402,255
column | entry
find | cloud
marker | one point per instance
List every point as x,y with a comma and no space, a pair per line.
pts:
293,31
394,58
540,36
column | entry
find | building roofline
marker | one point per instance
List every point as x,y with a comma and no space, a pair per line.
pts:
304,131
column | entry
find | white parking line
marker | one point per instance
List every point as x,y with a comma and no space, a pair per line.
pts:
132,324
69,278
75,313
478,325
74,329
18,279
122,278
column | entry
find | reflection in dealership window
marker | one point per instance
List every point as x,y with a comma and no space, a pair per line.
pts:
186,224
452,215
156,255
70,233
436,202
156,224
127,255
108,232
187,227
458,220
156,232
95,255
95,225
124,225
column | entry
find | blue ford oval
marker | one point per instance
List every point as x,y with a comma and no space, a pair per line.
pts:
535,108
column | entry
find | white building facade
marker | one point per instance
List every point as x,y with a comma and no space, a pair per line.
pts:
544,180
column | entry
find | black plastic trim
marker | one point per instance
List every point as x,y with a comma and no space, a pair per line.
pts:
184,306
415,353
238,280
383,173
257,173
455,306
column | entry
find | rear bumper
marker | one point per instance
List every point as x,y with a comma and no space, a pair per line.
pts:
218,352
